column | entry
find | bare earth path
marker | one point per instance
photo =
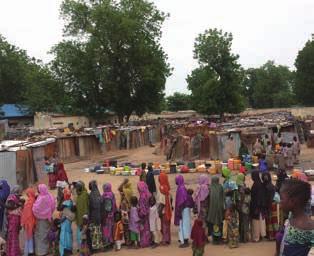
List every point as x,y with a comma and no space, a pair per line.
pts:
145,154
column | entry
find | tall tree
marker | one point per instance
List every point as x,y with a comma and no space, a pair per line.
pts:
215,84
178,101
269,86
26,80
113,58
304,85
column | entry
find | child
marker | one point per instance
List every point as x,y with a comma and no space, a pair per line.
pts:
154,222
198,237
85,238
53,238
299,229
134,223
118,231
67,217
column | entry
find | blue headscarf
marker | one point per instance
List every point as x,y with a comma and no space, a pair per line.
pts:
4,193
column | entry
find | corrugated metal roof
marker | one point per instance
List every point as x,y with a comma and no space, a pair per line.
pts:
13,110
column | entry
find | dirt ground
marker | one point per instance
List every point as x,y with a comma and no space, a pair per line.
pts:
145,154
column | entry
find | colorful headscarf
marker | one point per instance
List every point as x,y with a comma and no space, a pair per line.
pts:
143,190
181,197
108,194
127,191
45,204
164,189
198,234
82,202
28,220
202,191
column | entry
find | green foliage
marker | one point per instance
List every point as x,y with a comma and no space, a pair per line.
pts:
113,58
178,101
304,85
269,86
25,80
215,84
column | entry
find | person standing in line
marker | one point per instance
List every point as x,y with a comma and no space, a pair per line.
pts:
201,197
95,215
4,193
165,208
154,222
109,208
28,222
43,209
215,213
182,216
299,228
150,180
143,212
257,207
271,207
82,208
198,237
134,223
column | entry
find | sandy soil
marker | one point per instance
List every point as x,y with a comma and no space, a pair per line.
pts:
145,154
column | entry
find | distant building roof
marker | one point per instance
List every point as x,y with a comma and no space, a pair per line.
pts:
13,110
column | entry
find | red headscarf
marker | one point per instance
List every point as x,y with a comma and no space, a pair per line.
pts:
198,234
28,219
66,194
164,189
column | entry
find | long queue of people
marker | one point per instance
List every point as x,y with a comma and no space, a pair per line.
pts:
228,213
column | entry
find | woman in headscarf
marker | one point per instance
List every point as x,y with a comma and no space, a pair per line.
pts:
200,197
43,209
257,207
244,201
150,180
13,211
95,215
182,215
28,221
165,207
67,217
4,193
215,210
82,208
143,213
271,207
61,173
109,207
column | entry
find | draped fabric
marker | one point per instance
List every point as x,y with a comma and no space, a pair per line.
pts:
45,204
164,189
201,191
95,202
28,219
216,203
181,198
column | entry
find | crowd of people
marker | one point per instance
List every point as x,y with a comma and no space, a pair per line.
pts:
228,213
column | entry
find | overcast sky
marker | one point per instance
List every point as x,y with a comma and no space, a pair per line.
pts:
262,29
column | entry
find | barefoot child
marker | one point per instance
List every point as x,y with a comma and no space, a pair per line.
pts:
299,228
